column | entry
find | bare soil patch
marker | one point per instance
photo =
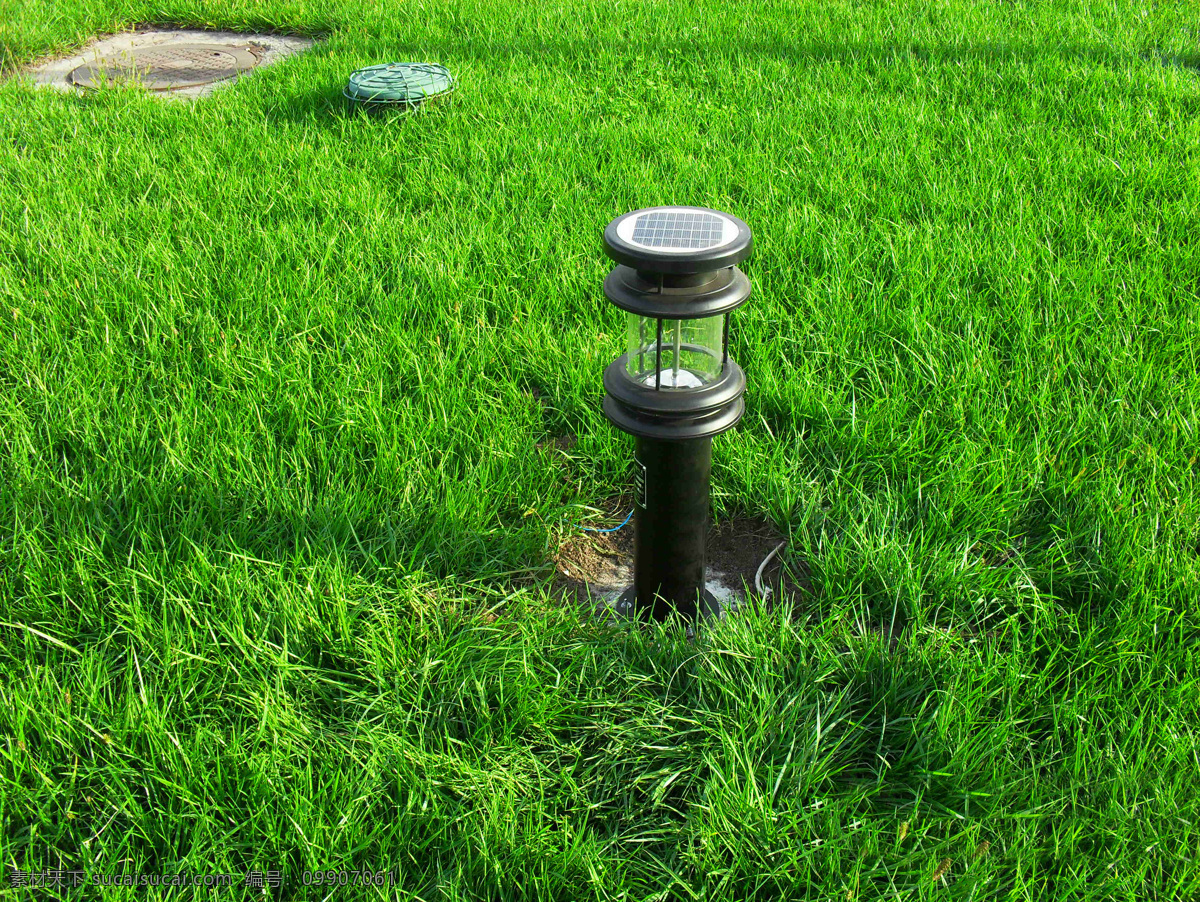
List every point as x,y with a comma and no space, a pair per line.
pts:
596,567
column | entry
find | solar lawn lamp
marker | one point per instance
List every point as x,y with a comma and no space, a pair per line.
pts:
674,388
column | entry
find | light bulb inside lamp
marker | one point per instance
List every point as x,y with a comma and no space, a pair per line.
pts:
673,378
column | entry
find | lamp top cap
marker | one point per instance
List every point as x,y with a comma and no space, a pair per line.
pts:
677,240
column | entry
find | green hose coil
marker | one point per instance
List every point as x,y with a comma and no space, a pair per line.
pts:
397,86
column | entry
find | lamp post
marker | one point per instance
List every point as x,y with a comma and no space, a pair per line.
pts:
675,387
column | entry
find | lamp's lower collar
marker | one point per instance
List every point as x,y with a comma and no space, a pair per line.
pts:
673,413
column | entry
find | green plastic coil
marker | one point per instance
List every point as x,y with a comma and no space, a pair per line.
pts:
397,86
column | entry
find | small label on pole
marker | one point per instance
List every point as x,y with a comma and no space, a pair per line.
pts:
639,483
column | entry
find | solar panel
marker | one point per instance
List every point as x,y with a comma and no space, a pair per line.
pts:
690,229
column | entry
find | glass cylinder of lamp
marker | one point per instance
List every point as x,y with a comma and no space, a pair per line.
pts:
674,354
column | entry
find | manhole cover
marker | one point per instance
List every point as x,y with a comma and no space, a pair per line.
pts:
169,67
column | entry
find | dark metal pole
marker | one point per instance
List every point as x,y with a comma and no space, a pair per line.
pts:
679,265
670,528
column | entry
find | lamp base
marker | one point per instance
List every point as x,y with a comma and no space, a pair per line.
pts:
627,606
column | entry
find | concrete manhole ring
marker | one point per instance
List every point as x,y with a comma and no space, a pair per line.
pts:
167,68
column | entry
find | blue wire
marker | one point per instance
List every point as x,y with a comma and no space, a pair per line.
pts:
614,529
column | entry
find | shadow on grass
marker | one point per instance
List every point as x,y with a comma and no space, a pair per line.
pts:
187,522
811,719
326,104
1189,61
1047,548
321,104
796,52
892,746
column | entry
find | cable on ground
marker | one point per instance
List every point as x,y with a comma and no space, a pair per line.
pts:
613,529
765,591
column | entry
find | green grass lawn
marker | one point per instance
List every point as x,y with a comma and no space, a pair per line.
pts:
278,496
